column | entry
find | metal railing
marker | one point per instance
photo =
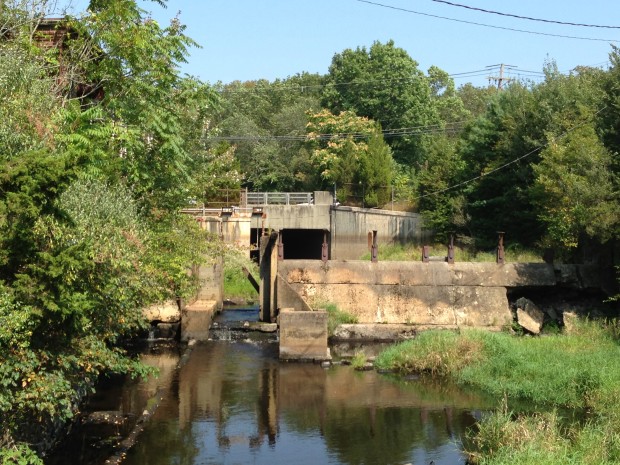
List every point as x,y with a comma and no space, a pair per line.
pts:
276,198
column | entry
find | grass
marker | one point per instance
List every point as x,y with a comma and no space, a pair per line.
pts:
236,284
409,252
358,361
578,370
336,317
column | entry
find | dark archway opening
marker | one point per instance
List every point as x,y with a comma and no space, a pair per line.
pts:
303,244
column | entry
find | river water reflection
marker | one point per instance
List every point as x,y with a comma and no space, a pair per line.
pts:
233,402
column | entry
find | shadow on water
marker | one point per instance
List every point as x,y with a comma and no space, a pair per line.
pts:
233,402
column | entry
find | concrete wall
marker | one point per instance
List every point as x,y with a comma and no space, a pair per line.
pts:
415,293
350,227
211,283
234,229
303,335
297,217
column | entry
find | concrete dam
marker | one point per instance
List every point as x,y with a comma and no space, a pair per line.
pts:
308,258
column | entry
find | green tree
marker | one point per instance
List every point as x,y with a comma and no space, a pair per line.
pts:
89,232
349,151
491,147
574,189
265,122
442,206
384,84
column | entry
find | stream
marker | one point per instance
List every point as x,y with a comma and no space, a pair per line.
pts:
231,401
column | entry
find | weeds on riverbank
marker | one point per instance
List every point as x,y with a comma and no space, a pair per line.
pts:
336,317
544,439
577,370
436,352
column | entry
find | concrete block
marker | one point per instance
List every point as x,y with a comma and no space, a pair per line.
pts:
303,335
197,319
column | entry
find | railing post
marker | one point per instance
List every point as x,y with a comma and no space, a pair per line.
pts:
426,254
280,247
500,248
450,257
374,249
324,249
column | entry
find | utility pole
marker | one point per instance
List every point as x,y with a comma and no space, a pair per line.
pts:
500,79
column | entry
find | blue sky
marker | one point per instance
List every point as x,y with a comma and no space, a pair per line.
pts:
254,39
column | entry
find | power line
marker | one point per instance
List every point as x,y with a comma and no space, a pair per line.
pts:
512,162
483,24
376,82
387,133
551,21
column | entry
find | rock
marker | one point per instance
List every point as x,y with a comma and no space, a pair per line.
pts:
552,314
570,321
367,366
167,330
529,316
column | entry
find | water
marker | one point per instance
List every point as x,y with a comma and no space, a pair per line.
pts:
233,402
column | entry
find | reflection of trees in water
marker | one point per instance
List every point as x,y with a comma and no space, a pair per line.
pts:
383,435
165,444
231,398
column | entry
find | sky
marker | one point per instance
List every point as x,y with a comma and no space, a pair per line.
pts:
270,39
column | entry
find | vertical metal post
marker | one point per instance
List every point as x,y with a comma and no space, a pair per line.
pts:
426,254
280,247
324,249
500,248
374,249
450,257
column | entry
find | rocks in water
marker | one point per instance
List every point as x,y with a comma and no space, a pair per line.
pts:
529,316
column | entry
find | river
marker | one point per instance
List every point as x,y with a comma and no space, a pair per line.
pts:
232,401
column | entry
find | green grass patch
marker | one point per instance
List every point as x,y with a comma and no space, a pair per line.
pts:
411,252
358,361
236,284
336,317
578,370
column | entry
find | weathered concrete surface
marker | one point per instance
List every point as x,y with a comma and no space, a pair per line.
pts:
418,273
166,312
415,293
196,320
287,294
280,217
303,335
233,229
211,282
374,332
268,273
350,227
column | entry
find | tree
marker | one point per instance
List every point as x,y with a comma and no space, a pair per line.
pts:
442,206
348,151
89,230
574,189
385,85
266,123
491,149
